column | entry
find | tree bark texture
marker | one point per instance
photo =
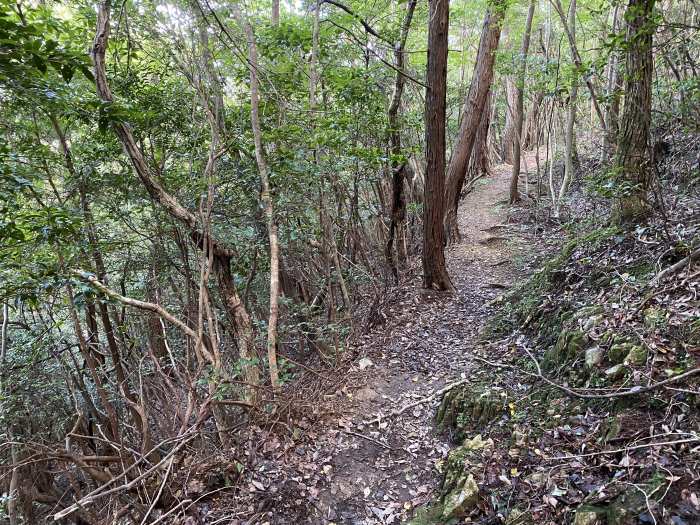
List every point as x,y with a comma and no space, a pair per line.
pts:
471,116
480,159
633,162
508,138
265,197
434,269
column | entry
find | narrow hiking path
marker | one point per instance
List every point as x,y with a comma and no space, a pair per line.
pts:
377,473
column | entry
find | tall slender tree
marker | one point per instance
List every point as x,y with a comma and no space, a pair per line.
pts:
434,269
474,105
398,169
520,86
569,131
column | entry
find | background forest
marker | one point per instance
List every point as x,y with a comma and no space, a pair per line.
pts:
203,205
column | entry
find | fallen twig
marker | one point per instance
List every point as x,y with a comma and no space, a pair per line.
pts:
626,449
676,267
372,440
583,395
160,490
97,493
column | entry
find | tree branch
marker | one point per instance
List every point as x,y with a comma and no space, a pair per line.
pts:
357,17
143,305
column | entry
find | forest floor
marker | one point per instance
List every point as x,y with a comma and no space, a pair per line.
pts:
362,445
378,465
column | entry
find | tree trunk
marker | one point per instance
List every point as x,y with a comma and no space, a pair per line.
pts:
569,136
471,116
235,308
520,89
275,17
633,163
613,94
531,127
508,138
398,169
434,268
266,197
480,160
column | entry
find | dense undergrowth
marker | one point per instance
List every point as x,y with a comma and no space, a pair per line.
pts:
585,421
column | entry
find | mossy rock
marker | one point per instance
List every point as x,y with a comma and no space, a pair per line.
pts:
655,318
589,515
619,350
611,429
615,372
459,459
637,356
587,311
569,346
461,499
623,510
519,517
466,407
459,491
430,515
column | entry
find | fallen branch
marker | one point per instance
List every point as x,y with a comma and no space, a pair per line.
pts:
419,402
583,395
676,267
627,449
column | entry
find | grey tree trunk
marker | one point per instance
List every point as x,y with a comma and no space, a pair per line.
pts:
520,87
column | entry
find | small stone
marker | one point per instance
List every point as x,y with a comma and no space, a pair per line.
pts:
477,443
518,517
618,351
615,372
587,517
365,394
591,322
365,362
537,478
594,356
460,501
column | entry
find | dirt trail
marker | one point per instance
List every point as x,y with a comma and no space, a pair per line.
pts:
378,473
